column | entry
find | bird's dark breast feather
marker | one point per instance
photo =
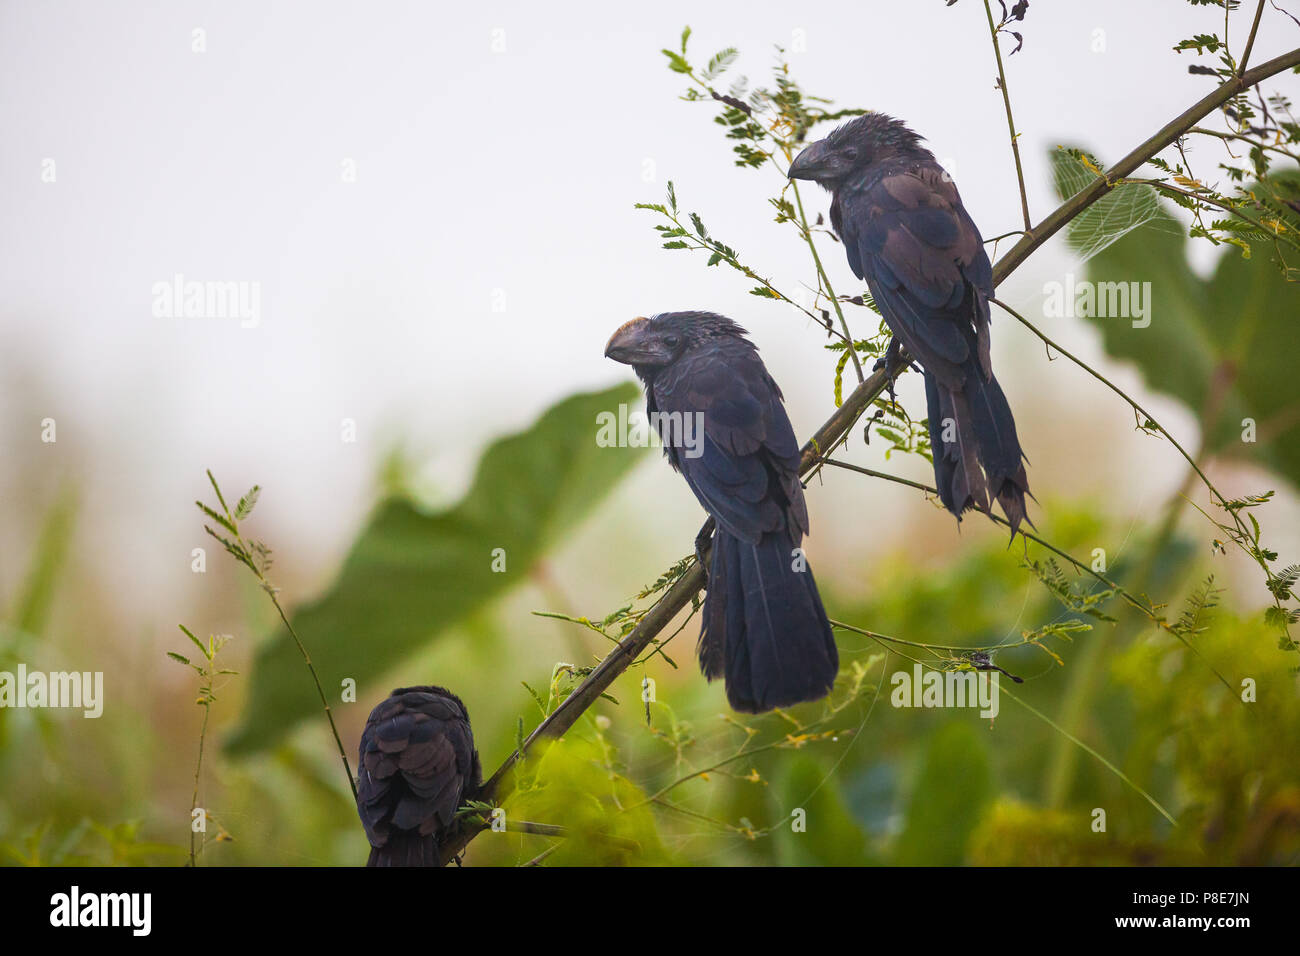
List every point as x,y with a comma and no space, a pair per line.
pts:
747,476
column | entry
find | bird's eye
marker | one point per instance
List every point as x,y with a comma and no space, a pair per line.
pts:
851,154
671,341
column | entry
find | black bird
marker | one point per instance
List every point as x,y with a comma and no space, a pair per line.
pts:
417,766
764,627
908,235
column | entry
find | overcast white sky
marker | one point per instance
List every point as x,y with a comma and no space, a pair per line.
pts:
477,169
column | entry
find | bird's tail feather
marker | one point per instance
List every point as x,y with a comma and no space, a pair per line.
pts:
406,848
765,629
977,456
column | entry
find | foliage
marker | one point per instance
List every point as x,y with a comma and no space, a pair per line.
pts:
1172,708
412,575
1213,346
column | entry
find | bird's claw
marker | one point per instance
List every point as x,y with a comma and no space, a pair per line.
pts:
889,361
892,365
703,541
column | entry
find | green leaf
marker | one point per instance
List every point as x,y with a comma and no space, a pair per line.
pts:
197,643
246,503
720,62
217,517
410,575
676,63
1219,343
1200,43
217,488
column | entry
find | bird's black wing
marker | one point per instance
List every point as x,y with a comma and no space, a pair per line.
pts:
417,764
908,235
747,475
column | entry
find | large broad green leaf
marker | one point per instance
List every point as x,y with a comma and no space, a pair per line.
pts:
1222,346
411,575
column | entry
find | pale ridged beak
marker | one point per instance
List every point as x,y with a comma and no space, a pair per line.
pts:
627,344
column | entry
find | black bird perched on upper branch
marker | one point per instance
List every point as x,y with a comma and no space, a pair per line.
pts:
764,627
908,235
417,766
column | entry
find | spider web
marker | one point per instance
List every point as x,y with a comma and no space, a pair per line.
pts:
1111,217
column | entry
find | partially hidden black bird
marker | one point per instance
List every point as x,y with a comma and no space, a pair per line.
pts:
416,767
908,235
724,427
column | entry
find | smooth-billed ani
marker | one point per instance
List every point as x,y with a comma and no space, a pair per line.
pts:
764,628
908,235
417,765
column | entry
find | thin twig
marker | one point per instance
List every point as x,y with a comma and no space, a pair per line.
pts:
329,714
1250,40
1117,390
232,525
1220,134
1081,745
1028,535
537,860
826,280
1208,200
1011,123
198,767
538,829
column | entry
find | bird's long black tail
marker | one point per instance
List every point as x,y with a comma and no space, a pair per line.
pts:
977,457
406,848
765,630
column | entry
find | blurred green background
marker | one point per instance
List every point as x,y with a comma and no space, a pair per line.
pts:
1118,716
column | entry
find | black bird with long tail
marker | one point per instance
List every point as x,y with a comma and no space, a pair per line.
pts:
765,630
908,235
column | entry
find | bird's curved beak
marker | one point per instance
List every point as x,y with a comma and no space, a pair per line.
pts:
627,344
809,163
